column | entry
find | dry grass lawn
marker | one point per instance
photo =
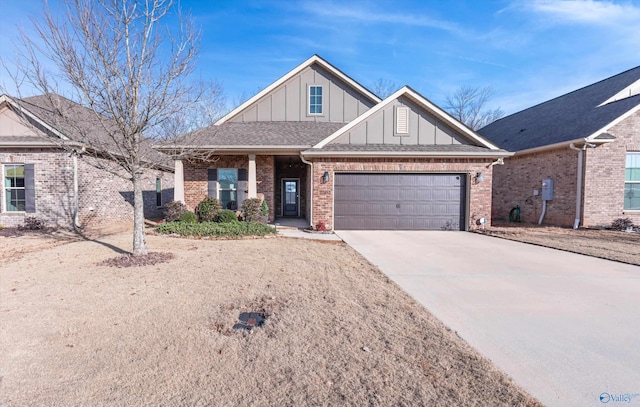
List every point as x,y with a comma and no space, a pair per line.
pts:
606,244
338,331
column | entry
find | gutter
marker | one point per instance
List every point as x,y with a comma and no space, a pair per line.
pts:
406,154
562,144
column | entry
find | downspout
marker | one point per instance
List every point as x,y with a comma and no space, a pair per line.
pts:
76,211
580,151
579,181
310,164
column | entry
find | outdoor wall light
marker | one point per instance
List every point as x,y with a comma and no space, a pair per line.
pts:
325,177
479,177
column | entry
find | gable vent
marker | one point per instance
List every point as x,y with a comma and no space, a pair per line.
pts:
402,120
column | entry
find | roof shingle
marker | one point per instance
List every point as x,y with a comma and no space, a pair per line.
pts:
568,117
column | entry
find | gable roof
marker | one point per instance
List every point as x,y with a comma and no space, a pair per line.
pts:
423,102
315,59
87,130
581,114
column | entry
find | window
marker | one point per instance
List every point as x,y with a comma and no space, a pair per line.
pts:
228,188
315,100
158,192
402,120
14,188
632,182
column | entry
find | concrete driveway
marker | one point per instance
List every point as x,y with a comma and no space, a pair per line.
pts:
566,327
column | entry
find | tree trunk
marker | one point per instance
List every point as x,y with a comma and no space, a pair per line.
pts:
139,241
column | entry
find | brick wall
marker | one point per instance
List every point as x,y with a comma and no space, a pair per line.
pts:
110,197
604,175
514,182
106,197
480,193
195,178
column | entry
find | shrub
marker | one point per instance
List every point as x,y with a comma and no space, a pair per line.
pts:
227,216
1,227
174,210
265,209
621,224
228,230
321,226
32,223
252,209
188,217
208,209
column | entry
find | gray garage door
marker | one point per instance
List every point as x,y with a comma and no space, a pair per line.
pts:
399,201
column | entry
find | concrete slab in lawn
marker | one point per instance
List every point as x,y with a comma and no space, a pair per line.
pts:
566,327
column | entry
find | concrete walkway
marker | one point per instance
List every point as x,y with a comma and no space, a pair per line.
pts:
566,327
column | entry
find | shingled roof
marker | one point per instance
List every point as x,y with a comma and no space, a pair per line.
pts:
66,122
578,114
296,135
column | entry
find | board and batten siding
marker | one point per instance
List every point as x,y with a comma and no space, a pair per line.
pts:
289,101
424,129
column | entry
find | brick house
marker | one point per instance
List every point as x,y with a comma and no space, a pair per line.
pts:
319,146
42,179
586,142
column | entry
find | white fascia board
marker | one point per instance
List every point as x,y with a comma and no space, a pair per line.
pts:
562,144
7,99
620,118
291,74
406,154
407,91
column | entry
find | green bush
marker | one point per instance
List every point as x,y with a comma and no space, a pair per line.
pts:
188,217
621,224
229,230
174,210
252,210
227,216
265,209
208,209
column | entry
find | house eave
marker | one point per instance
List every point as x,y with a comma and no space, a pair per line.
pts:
228,150
407,154
562,144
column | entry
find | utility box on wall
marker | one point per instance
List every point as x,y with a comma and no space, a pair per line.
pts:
547,189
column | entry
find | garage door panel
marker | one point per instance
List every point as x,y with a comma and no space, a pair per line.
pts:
399,201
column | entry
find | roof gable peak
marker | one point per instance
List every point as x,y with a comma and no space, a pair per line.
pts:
314,59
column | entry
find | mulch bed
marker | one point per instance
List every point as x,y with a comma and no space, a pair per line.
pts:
129,260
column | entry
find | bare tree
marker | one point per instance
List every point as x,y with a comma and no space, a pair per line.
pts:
468,104
383,87
127,63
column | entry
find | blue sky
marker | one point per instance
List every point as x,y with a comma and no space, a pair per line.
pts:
528,51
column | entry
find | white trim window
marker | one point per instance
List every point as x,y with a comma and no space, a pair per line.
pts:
14,188
632,182
315,100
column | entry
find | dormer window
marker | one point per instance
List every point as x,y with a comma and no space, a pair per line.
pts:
315,100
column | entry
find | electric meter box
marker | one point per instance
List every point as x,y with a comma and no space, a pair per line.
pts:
547,189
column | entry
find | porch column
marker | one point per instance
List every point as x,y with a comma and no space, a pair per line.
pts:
178,182
252,190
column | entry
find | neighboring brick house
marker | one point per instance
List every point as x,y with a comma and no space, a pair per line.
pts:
587,142
319,146
39,176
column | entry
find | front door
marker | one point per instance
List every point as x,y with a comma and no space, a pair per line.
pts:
290,195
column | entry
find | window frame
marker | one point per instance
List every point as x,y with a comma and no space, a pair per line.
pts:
220,189
5,189
630,182
321,104
158,192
